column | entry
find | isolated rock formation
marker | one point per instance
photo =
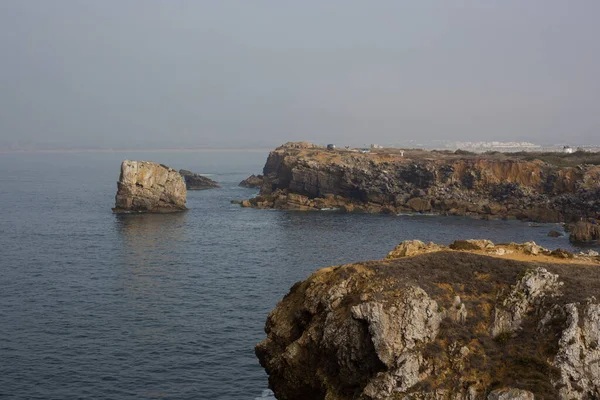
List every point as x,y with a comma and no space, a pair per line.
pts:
196,181
585,231
307,177
145,186
253,181
494,322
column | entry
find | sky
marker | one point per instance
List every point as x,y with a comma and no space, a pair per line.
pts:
231,74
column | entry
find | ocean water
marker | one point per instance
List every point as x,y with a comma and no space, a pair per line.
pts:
96,305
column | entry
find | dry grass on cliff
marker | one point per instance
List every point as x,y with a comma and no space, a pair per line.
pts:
519,360
557,159
562,159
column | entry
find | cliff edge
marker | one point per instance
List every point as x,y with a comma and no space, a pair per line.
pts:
146,186
474,320
307,177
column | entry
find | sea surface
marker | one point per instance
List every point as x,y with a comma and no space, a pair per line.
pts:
96,305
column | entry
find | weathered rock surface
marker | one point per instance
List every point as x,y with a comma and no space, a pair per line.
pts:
585,231
146,186
430,322
196,181
253,181
308,177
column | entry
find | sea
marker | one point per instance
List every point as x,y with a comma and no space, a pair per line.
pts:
95,305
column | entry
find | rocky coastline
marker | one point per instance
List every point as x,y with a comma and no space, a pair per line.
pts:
148,187
302,176
473,320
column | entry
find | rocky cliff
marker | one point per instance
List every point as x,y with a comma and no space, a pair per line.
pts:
146,186
471,321
196,181
308,177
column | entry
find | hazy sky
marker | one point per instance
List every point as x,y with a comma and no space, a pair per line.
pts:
168,73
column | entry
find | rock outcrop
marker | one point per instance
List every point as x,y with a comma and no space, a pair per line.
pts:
146,186
253,181
196,181
307,177
435,322
585,231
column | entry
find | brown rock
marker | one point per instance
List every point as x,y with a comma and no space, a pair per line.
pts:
145,186
585,231
253,181
197,182
439,325
419,204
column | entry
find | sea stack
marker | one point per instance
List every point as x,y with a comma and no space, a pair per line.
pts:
195,181
146,186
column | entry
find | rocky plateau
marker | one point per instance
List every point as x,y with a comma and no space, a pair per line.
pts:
473,320
303,176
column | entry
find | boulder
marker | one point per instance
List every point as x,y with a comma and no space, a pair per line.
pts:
585,231
554,233
419,204
196,181
146,186
253,181
510,394
410,248
472,244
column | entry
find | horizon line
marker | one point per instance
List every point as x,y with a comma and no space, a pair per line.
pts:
117,150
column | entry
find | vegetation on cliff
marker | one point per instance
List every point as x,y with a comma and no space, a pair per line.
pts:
471,321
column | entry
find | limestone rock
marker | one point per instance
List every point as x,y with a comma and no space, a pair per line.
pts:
529,291
411,248
146,186
472,244
457,325
196,181
579,352
585,231
419,204
510,394
253,181
460,184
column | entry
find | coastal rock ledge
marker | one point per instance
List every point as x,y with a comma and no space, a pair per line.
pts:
473,320
145,186
541,187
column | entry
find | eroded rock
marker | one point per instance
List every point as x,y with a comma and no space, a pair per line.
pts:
253,181
445,324
195,181
145,186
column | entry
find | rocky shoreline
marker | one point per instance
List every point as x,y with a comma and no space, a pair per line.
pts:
473,320
302,176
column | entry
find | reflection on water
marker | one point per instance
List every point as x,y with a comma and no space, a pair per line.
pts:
150,237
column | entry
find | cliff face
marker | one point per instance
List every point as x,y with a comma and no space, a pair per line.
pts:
432,322
146,186
301,176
